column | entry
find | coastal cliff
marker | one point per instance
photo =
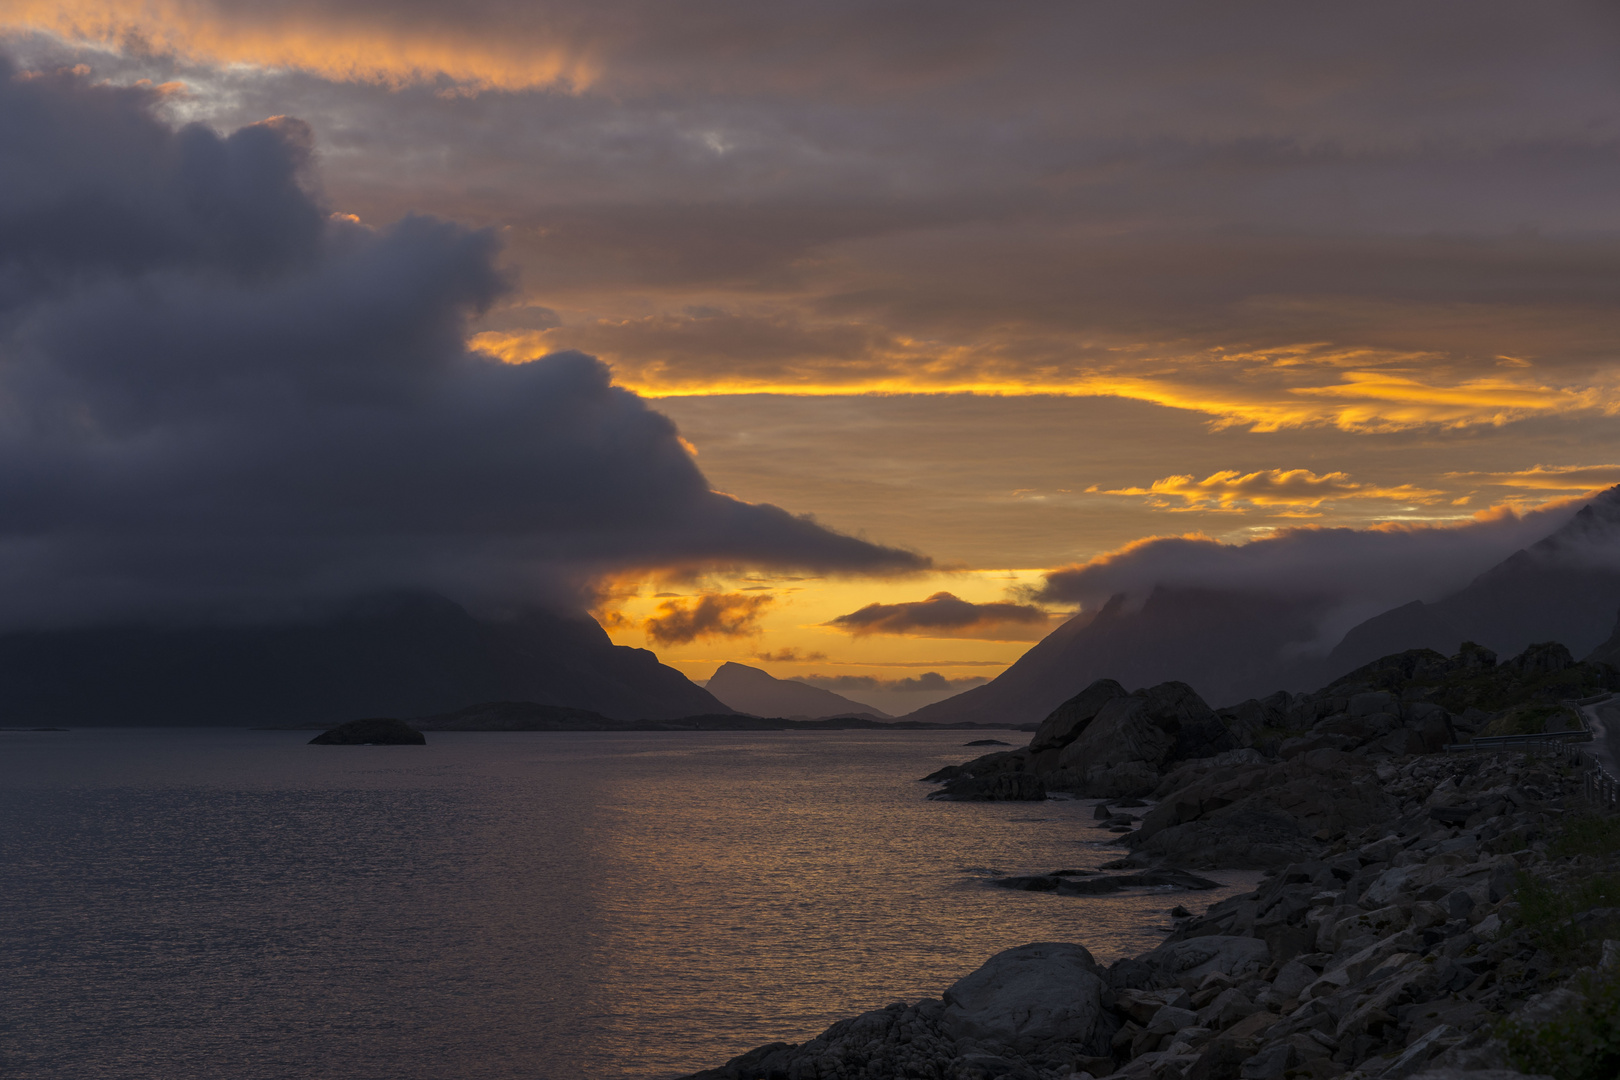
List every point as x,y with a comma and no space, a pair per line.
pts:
1450,915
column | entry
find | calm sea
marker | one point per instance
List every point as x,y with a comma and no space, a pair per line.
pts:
237,904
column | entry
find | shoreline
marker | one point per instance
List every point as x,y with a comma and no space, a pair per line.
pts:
1423,942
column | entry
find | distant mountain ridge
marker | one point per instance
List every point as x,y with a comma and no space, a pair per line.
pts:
1221,642
1232,645
754,690
1565,587
399,655
528,716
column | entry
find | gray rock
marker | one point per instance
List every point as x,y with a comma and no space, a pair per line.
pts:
1126,779
1066,722
1265,815
1168,722
1269,1064
1293,978
1421,1052
1032,995
1228,1008
1170,1019
996,787
1197,957
1377,701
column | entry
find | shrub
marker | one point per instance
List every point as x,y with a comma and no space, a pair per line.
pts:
1582,1043
1591,834
1547,908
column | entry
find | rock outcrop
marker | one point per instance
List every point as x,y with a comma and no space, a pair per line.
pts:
1107,743
1452,924
374,731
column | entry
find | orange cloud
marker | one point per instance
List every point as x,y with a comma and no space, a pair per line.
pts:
1231,490
1554,478
714,615
946,615
323,41
790,656
1299,386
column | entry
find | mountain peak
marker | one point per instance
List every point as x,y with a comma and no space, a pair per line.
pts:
755,690
1594,526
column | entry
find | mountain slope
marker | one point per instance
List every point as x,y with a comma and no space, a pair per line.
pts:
1565,587
751,690
406,655
1231,645
1224,644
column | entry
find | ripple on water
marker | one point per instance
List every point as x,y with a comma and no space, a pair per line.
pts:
497,906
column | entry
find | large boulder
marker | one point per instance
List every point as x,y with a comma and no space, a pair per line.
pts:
1544,658
1031,1012
1030,998
1252,721
1066,722
992,787
1164,723
1236,957
1258,815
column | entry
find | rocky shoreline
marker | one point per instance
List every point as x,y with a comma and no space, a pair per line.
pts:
1446,914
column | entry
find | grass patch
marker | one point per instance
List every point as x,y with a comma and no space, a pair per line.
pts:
1581,1043
1590,834
1525,720
1547,908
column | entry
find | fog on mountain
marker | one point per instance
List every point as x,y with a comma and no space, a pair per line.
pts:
225,402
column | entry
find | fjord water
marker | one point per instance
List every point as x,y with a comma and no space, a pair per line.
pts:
494,906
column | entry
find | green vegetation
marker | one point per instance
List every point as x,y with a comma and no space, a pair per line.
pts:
1541,676
1528,720
1547,909
1589,834
1581,1043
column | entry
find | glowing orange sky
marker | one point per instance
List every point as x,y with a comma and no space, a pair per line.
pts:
1012,289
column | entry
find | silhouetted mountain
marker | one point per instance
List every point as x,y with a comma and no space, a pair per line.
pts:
1231,645
1225,644
1565,588
1608,651
404,655
527,716
751,690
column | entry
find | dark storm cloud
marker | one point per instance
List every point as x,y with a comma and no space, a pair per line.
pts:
217,399
943,615
714,615
1090,197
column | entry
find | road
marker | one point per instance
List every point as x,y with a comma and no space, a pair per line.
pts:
1604,718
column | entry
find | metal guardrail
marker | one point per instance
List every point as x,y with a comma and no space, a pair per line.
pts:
1491,742
1601,787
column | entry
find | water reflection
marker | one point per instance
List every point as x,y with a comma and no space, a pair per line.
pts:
198,904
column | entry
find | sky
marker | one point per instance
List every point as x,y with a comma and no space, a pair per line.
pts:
728,321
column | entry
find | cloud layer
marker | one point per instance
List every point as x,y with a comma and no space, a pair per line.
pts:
1356,217
929,682
714,615
1344,575
1289,488
217,399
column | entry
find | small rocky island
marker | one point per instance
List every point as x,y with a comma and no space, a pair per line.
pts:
374,731
1446,916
